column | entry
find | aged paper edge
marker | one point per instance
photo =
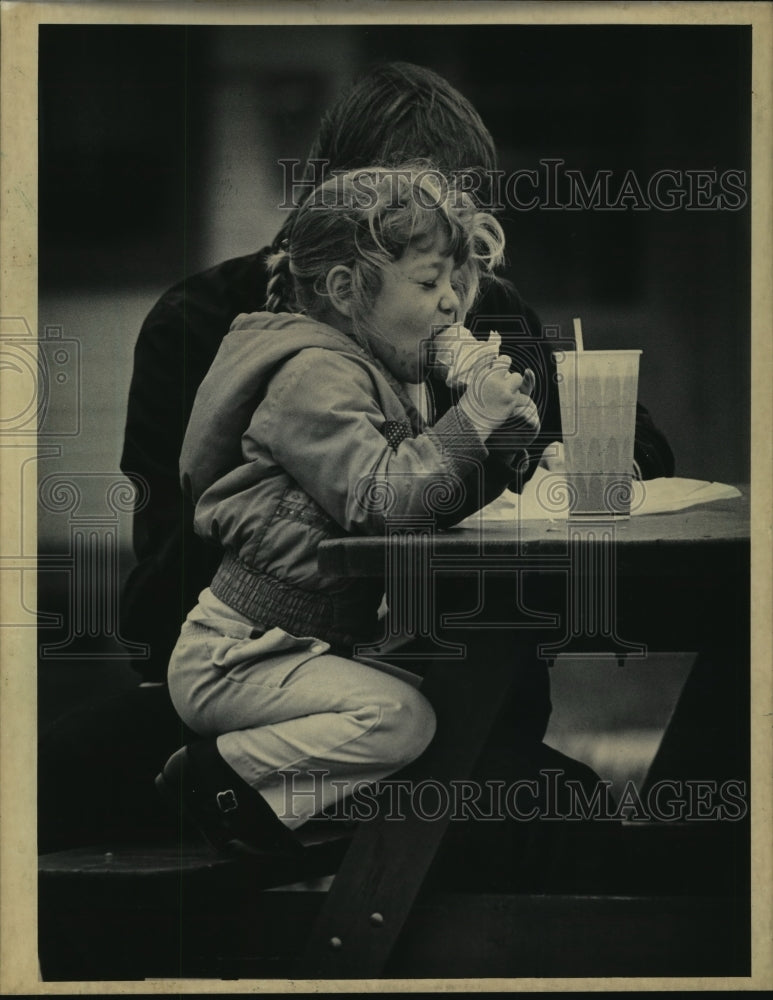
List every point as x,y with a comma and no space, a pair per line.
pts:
18,297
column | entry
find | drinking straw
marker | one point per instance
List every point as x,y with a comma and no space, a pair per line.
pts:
578,333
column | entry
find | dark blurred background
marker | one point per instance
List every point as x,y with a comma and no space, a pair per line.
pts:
158,157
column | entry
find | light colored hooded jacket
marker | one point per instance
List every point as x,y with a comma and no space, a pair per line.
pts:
298,435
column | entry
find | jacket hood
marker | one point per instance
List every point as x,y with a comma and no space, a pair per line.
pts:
255,347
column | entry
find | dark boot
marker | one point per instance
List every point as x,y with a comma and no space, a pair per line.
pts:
229,813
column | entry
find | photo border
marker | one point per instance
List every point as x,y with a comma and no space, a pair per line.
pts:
18,297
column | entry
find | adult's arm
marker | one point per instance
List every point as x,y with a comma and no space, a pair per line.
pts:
175,347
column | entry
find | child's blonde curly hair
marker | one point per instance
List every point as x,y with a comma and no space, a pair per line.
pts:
366,219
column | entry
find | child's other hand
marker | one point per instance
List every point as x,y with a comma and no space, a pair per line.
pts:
553,457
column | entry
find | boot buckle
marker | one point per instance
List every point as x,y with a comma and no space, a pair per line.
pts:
226,801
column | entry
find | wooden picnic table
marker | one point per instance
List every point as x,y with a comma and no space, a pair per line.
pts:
485,596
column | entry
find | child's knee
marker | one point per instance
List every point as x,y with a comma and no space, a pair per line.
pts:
408,727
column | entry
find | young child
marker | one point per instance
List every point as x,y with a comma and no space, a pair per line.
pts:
313,423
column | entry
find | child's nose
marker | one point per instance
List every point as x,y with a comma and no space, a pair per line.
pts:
449,302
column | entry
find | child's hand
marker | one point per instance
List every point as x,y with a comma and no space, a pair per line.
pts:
495,396
459,354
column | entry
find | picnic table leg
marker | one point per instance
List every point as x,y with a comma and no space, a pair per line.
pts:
708,735
382,872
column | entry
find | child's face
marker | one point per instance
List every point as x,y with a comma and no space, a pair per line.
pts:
417,300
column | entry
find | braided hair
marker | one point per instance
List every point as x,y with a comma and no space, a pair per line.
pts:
279,291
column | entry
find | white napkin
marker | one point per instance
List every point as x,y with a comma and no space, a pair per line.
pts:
545,497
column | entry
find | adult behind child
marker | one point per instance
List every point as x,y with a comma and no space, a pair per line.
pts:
96,765
393,113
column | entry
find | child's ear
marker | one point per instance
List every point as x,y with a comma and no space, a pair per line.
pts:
339,288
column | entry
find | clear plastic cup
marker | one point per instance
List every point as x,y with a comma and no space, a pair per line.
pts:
597,393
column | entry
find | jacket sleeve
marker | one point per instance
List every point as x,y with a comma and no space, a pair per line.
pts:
323,423
651,450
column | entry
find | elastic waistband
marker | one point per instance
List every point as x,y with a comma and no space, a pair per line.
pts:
269,601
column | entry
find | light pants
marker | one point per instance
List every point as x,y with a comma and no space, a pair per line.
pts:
300,725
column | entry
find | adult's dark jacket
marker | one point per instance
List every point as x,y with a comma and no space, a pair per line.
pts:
176,346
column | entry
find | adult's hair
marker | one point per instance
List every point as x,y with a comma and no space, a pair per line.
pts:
396,113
